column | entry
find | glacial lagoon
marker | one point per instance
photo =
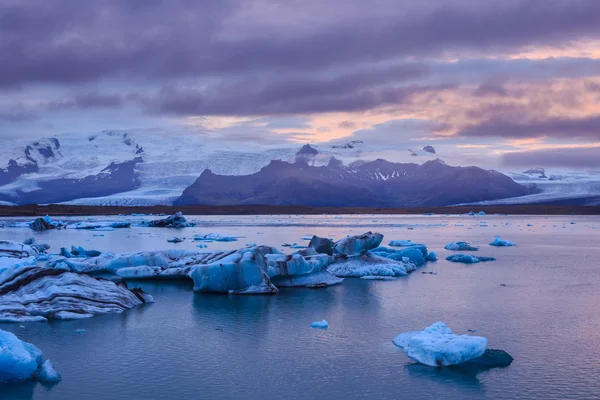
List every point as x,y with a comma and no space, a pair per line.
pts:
539,301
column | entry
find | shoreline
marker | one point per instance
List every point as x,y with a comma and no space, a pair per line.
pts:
71,210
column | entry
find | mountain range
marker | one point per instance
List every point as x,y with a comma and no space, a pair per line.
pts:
122,168
377,184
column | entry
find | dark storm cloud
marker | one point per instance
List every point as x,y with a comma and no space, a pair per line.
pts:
256,100
572,128
71,41
569,157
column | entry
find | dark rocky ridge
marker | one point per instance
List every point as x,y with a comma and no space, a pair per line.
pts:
374,184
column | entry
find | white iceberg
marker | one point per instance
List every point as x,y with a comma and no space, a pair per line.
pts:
438,346
21,361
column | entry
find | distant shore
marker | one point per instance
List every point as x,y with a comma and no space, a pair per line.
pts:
70,210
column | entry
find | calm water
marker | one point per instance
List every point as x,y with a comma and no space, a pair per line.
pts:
194,346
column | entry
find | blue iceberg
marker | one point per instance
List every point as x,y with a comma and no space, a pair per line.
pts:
468,259
501,243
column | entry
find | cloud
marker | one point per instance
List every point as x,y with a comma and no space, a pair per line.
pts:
585,157
18,113
396,133
71,41
347,125
560,127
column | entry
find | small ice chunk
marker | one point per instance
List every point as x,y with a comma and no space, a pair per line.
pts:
460,246
501,243
47,374
320,324
468,259
79,330
377,278
438,346
431,256
175,240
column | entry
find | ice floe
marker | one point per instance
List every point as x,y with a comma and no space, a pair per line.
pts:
438,346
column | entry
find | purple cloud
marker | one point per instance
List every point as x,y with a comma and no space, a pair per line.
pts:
576,128
69,41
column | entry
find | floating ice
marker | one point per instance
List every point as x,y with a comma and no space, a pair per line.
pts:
34,293
377,278
216,237
175,240
468,259
431,256
320,324
460,246
176,220
501,243
416,253
21,361
438,346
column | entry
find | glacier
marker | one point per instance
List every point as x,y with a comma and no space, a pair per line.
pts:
438,346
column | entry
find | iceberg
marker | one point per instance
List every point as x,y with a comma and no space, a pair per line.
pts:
12,249
259,269
438,346
34,293
468,259
44,224
359,244
320,324
216,237
501,243
431,256
176,220
460,246
22,361
416,253
100,225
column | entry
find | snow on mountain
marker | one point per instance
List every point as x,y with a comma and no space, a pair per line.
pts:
565,186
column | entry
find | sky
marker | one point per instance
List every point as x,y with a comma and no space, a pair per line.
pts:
517,82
